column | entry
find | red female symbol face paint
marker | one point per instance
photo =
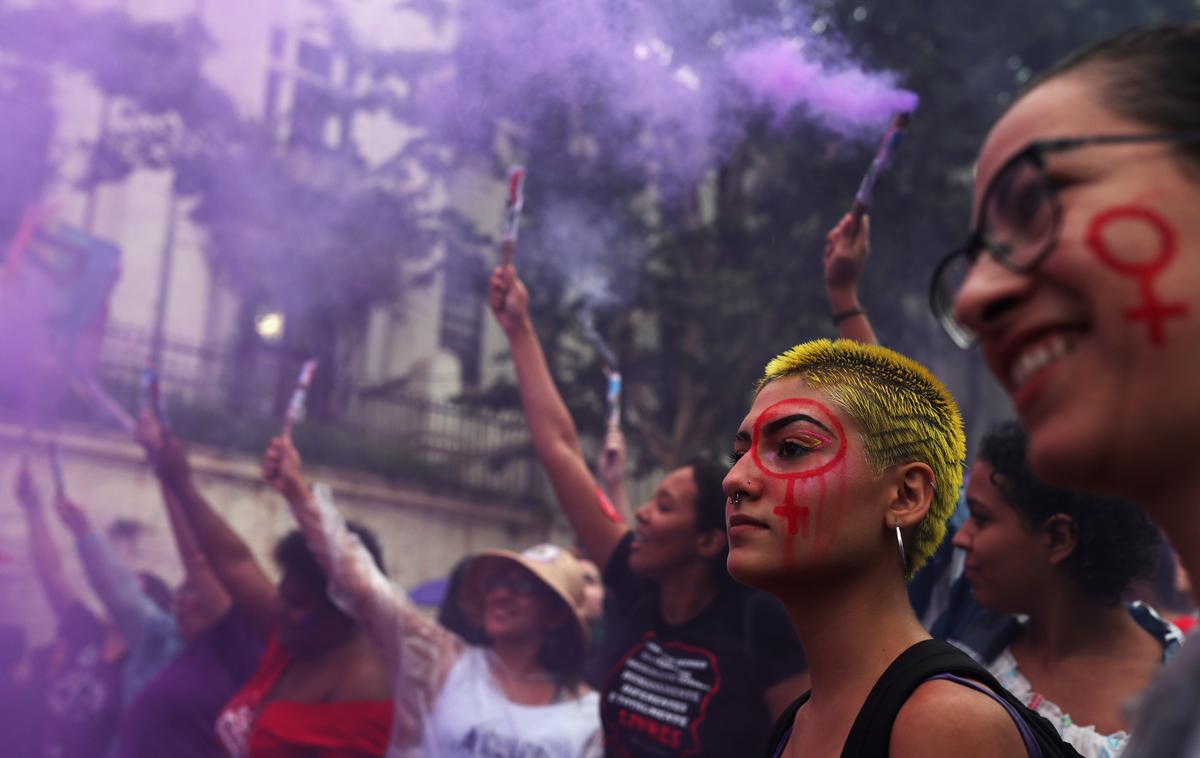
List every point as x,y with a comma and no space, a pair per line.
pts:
780,415
1152,311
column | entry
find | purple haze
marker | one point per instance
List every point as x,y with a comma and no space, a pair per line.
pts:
843,97
649,90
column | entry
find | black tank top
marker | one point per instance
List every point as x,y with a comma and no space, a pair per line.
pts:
871,732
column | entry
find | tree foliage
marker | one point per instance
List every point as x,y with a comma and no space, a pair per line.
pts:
730,273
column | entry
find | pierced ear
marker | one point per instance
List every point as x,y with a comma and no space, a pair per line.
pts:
711,543
912,494
1062,535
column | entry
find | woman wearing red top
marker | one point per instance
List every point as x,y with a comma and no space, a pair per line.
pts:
320,688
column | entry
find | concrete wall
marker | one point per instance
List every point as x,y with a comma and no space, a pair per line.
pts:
423,533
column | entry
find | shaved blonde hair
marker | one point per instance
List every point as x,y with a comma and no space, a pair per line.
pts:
903,412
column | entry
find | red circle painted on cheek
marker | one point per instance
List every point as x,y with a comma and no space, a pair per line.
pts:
767,416
1166,236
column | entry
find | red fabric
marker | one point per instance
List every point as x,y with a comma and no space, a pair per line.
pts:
286,728
1186,623
349,728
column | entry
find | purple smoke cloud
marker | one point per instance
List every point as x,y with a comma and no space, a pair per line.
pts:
648,93
843,97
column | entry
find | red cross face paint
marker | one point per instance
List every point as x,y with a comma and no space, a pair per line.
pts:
792,473
812,446
1143,272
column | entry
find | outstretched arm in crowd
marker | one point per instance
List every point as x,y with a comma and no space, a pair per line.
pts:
846,251
136,616
230,558
555,439
418,650
47,564
200,579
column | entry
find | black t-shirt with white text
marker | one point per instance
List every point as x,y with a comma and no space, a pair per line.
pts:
696,688
73,702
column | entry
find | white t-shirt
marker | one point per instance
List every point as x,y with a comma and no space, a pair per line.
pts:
471,718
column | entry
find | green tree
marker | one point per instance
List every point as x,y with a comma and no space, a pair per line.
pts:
731,272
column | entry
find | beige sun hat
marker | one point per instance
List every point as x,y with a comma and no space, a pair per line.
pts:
557,569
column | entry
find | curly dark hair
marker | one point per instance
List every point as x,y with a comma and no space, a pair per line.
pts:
1116,543
294,557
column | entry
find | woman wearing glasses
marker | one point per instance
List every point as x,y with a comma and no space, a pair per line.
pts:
1046,569
1081,284
519,694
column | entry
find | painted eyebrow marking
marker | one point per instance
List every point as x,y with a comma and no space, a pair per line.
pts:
780,423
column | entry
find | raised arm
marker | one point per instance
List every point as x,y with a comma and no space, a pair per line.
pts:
201,580
47,565
555,439
230,558
416,648
610,469
846,251
119,589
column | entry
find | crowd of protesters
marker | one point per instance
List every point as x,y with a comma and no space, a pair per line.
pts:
838,587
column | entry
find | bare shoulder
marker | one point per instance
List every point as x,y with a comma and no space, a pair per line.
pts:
944,718
359,674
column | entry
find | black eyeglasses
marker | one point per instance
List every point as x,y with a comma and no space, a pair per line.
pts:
1019,221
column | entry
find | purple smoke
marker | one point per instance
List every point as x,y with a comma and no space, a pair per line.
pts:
647,93
842,96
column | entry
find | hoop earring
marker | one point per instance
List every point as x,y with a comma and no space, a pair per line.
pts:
900,545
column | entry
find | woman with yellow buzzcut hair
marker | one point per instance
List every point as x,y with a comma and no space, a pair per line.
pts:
845,471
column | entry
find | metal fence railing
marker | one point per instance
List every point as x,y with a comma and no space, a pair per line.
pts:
233,400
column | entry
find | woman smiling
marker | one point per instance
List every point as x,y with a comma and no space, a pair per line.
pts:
518,693
1080,281
697,664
